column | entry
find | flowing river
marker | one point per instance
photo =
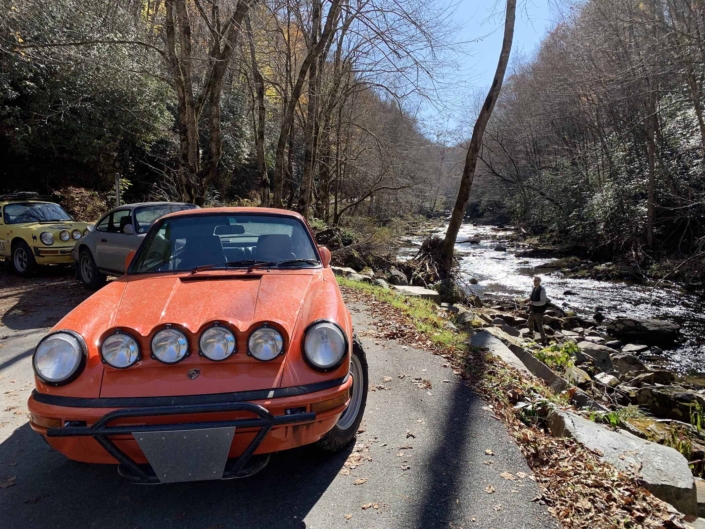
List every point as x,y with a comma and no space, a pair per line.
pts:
504,275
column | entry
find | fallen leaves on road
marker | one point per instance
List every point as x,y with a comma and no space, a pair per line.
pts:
489,452
347,516
422,383
386,379
366,506
489,489
9,482
508,476
360,481
405,467
521,475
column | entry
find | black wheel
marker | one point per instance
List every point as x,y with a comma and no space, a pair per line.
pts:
23,262
88,271
345,429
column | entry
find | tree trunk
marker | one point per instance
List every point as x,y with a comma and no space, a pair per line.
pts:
476,142
261,116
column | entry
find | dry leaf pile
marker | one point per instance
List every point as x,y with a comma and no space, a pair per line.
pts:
581,491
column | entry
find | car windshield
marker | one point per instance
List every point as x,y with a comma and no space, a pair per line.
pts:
226,241
146,215
21,212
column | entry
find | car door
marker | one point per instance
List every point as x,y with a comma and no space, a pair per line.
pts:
114,244
4,244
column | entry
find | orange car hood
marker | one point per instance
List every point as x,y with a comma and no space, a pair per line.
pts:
193,302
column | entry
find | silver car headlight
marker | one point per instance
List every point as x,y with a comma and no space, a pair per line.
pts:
76,234
169,346
120,350
59,357
324,345
64,235
217,343
47,238
265,343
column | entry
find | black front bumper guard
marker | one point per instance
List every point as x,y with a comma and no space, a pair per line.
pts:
137,473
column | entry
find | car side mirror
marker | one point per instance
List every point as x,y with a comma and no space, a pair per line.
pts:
129,258
128,230
325,256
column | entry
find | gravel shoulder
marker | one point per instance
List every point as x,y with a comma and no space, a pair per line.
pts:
420,461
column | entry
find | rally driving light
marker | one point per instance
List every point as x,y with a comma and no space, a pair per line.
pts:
169,346
58,358
47,238
76,234
120,350
265,343
324,345
64,236
217,343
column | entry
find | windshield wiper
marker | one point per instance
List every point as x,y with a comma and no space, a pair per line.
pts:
298,261
207,267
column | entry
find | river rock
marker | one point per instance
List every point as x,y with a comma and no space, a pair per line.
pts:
381,283
397,278
648,331
498,321
360,278
570,334
670,402
614,344
642,379
634,348
570,293
367,271
342,271
577,376
598,317
607,379
599,354
663,470
663,376
473,281
626,363
500,248
594,339
511,331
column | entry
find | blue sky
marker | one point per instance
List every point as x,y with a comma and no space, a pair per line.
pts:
481,25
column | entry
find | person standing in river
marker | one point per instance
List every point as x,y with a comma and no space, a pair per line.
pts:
539,302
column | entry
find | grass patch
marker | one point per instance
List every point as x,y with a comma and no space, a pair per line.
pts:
422,313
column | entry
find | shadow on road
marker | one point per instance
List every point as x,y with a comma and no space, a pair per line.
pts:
39,301
53,492
455,455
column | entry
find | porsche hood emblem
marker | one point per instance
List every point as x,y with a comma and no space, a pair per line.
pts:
193,373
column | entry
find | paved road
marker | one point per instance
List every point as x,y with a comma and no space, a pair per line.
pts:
422,453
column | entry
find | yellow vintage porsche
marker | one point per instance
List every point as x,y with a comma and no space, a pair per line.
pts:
36,232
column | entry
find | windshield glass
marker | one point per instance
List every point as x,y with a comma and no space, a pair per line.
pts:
146,215
222,241
20,212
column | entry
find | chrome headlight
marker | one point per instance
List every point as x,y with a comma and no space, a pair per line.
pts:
324,345
169,346
265,343
47,238
59,357
120,350
64,235
76,234
217,343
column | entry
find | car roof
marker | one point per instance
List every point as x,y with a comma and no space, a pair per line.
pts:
26,201
136,205
236,211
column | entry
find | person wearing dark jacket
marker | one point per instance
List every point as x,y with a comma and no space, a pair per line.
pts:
539,302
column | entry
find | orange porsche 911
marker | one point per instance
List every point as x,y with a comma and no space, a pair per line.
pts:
226,340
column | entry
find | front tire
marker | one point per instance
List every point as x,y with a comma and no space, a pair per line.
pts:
88,271
23,262
345,429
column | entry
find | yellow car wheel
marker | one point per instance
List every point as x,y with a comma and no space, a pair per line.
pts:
23,261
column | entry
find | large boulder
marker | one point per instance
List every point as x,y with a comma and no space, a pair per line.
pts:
598,354
670,402
662,470
577,376
652,332
397,278
342,271
381,283
626,363
419,292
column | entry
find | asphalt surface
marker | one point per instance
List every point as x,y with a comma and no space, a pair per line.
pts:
421,451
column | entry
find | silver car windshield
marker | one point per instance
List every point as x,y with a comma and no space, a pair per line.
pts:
225,241
146,215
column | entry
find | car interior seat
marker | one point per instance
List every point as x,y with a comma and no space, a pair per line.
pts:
275,247
124,221
200,251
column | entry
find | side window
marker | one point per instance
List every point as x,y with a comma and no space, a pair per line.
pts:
103,223
118,221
